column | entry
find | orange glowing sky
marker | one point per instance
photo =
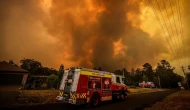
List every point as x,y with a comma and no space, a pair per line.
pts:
91,33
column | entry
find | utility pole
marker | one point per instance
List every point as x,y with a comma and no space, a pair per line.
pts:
185,76
159,82
123,69
158,79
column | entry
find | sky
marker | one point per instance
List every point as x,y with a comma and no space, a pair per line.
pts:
96,33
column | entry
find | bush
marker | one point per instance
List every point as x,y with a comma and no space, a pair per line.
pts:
29,82
27,86
52,81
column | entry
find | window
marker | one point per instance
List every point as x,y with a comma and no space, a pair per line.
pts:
94,82
118,80
123,80
106,83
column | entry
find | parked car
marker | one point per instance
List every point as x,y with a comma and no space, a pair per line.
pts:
148,84
143,84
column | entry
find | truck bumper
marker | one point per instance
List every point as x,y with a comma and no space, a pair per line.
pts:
63,99
59,98
71,101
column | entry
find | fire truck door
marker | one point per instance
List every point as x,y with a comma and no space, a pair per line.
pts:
83,84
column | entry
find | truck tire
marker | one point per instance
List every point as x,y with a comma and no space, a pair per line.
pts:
114,98
122,96
126,94
95,100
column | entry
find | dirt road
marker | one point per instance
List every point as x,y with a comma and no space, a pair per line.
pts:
132,102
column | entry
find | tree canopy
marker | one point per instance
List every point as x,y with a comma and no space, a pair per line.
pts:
163,72
36,68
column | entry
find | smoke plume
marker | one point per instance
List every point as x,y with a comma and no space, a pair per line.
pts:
90,33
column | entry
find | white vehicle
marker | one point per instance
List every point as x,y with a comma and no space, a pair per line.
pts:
150,84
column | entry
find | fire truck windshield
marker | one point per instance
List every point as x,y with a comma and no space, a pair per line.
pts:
123,80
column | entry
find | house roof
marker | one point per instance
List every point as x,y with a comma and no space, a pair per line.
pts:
7,67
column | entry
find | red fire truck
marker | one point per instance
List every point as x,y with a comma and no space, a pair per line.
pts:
148,84
86,86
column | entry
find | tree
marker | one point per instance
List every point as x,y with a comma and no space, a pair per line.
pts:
145,78
148,71
100,69
60,74
30,64
132,71
187,80
163,74
36,68
138,76
138,71
52,81
168,78
118,72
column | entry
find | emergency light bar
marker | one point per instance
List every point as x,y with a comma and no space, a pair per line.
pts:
91,70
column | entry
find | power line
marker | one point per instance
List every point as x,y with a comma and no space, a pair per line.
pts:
168,20
185,76
181,22
166,26
168,17
154,10
175,28
170,23
181,28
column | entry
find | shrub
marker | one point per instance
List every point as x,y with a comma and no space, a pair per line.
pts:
52,81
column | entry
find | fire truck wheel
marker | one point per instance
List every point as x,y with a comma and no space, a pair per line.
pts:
95,101
122,96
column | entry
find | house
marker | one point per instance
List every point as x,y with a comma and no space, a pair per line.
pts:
12,75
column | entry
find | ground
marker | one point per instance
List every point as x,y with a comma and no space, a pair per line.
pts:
8,95
132,102
12,97
176,101
144,90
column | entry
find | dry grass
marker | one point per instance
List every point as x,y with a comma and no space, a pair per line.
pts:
11,97
143,90
176,101
30,97
37,96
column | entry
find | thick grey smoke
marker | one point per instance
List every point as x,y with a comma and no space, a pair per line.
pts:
111,24
22,33
88,33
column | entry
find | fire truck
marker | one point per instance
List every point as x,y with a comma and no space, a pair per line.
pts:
148,84
91,87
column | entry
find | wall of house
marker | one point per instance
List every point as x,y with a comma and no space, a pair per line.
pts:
25,76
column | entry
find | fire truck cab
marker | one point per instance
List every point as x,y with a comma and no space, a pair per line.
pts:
86,86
